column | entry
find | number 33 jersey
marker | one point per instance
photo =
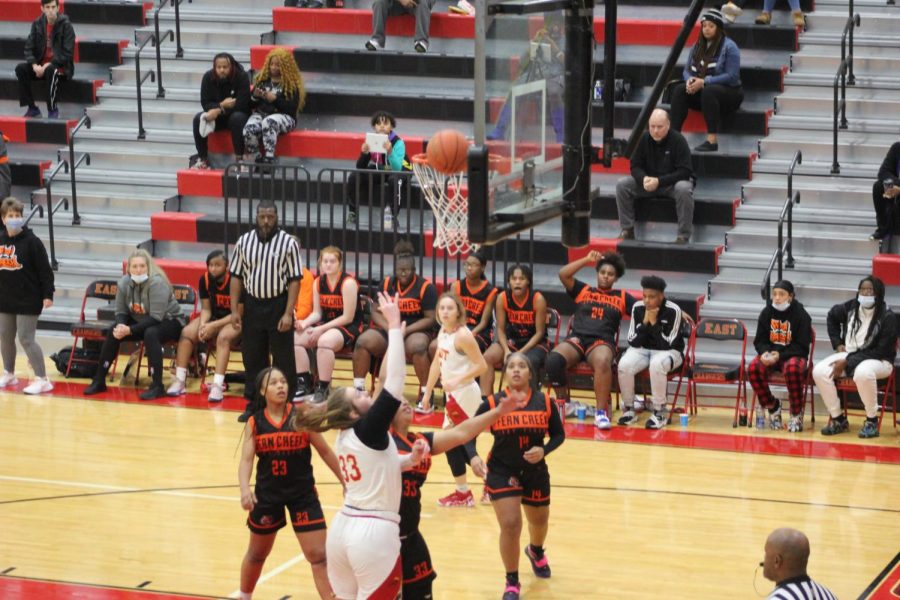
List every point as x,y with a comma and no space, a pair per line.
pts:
372,477
283,468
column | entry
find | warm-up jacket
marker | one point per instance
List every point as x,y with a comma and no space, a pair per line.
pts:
669,160
665,334
881,341
788,332
213,90
145,305
26,278
63,43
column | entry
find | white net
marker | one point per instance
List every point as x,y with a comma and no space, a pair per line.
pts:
446,194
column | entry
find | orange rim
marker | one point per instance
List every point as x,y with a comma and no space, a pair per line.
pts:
496,162
420,159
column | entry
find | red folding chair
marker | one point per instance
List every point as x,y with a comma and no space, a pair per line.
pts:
715,372
887,392
776,378
95,330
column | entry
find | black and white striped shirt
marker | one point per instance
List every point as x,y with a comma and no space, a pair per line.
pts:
800,588
266,268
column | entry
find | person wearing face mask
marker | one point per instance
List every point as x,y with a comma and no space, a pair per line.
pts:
863,332
26,279
783,335
146,310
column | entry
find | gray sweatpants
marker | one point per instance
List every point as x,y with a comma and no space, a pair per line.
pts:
627,192
382,9
25,326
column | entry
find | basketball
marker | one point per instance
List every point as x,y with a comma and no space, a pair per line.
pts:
447,151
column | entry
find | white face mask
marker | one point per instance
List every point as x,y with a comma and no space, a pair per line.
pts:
140,278
866,301
781,305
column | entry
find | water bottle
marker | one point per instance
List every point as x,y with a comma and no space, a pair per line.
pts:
580,411
388,219
760,418
742,419
598,89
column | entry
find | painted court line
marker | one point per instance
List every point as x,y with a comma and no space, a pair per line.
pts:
273,573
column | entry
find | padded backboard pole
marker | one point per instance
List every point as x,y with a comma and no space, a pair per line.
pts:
576,180
609,81
480,69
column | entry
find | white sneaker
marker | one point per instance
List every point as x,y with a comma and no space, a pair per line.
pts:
8,379
216,392
571,408
731,11
40,385
601,421
657,420
638,406
176,389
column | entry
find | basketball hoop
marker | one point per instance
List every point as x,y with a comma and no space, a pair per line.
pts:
448,197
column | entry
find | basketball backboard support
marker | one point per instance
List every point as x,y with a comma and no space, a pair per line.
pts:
517,165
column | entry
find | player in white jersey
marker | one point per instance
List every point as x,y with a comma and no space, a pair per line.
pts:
457,363
363,545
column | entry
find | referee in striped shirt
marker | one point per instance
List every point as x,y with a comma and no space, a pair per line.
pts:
266,264
787,553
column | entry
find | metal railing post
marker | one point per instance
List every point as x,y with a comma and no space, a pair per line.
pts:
179,51
84,121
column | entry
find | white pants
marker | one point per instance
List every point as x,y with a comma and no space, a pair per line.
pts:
466,397
865,377
660,363
363,556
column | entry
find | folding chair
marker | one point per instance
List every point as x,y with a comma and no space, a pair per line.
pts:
777,378
713,372
94,330
679,373
887,392
581,375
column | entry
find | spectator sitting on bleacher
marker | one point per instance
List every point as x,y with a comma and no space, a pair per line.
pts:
392,158
382,9
5,173
783,336
655,343
863,332
49,53
278,95
146,310
712,80
886,194
765,17
661,166
212,327
225,98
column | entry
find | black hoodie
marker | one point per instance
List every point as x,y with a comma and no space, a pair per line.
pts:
213,90
26,278
787,332
881,339
63,43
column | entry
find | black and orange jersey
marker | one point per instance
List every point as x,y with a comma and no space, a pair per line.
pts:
476,301
520,317
414,299
331,301
283,469
219,296
411,500
598,313
524,428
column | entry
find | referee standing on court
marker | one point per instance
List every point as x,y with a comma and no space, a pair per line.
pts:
266,263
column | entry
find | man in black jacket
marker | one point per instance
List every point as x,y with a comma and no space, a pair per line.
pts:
49,53
661,166
656,343
885,193
225,98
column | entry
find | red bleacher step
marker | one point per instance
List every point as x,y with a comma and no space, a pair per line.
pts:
886,267
200,183
174,226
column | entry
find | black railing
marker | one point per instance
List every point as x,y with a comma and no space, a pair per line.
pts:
155,76
785,245
86,157
64,202
844,76
317,212
35,208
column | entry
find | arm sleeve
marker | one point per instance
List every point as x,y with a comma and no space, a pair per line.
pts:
242,98
363,161
287,106
372,429
395,357
800,339
557,433
670,335
29,44
682,161
888,169
398,151
887,338
637,333
686,72
160,295
837,316
730,71
293,264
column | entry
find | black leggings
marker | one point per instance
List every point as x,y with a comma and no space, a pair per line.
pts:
714,100
457,459
153,337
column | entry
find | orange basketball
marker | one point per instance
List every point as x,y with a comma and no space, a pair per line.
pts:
447,151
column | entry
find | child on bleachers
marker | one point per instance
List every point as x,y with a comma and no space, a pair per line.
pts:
212,326
278,95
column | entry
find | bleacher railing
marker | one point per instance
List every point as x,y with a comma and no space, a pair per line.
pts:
85,121
785,245
317,212
842,78
51,208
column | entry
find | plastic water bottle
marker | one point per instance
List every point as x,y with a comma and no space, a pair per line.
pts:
742,419
598,90
388,219
760,418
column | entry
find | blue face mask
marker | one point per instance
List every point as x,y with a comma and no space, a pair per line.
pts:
866,301
14,224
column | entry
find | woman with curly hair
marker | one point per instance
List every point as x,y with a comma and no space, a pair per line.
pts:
278,95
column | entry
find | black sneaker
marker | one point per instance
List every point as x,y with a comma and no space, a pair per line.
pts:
96,387
877,235
304,388
540,566
321,394
153,392
248,412
707,147
836,426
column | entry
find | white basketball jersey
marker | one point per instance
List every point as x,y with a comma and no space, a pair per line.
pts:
372,476
453,363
